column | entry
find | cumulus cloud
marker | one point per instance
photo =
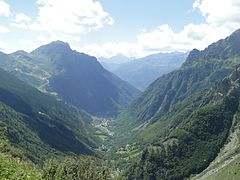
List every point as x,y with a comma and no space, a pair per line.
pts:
5,12
66,20
3,29
25,22
72,16
165,39
71,19
22,21
222,18
111,49
67,17
29,45
21,17
4,9
46,38
161,39
3,46
224,13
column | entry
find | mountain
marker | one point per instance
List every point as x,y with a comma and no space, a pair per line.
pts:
40,126
118,59
185,119
142,72
74,77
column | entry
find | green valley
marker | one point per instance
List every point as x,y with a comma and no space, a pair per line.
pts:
68,118
181,122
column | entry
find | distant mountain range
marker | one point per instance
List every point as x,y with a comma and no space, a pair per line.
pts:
142,72
74,77
118,59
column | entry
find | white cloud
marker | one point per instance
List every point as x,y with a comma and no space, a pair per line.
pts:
111,49
224,13
70,19
3,46
192,36
22,21
4,9
21,17
3,29
161,39
66,20
46,38
67,17
29,45
222,18
72,16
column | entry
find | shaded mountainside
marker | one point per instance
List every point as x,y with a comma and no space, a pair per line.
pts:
39,125
184,117
14,165
142,72
75,77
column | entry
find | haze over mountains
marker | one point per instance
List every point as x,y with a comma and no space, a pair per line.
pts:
119,90
184,125
117,60
75,77
143,71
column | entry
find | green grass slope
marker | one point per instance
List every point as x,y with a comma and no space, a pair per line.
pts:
230,171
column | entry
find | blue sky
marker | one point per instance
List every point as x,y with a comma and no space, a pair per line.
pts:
131,16
110,27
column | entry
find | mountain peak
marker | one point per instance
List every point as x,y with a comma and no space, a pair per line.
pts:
53,47
19,52
237,32
60,43
222,49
